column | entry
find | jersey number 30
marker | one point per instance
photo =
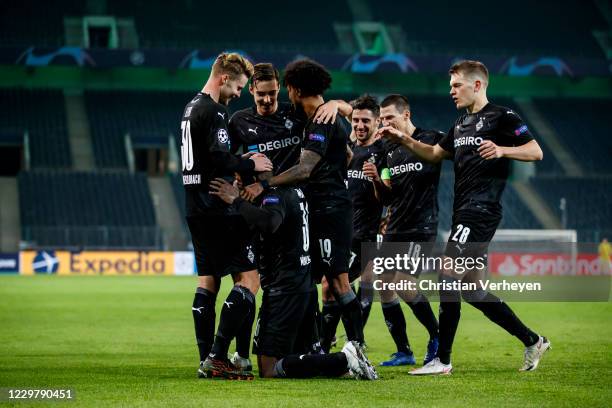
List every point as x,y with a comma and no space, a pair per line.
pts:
186,146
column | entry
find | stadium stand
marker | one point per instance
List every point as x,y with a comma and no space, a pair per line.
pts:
552,29
41,114
153,114
179,193
32,23
87,210
193,24
582,126
587,202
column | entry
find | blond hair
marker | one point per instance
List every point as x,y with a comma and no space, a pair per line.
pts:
470,69
232,64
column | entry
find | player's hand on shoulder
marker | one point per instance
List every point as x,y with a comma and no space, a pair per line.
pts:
262,163
252,191
327,113
224,190
489,150
370,170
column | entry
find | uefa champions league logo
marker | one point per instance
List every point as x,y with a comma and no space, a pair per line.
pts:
45,262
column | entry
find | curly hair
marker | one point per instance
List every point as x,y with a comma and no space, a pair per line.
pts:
307,76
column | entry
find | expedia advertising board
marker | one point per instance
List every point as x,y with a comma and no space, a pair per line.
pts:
98,263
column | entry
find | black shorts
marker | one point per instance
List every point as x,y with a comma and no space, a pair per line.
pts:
419,243
356,263
222,245
307,339
279,322
471,234
331,233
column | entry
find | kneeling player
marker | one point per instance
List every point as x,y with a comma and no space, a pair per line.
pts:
284,267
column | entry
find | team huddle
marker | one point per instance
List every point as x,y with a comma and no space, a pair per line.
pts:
293,210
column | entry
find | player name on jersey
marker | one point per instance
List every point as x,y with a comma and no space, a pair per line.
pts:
192,179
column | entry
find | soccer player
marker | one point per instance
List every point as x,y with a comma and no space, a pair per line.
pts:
410,187
322,168
284,265
275,129
481,143
221,239
367,208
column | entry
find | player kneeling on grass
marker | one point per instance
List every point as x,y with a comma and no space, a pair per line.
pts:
284,267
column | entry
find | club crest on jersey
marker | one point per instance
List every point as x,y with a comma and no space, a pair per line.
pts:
288,124
271,200
316,137
521,130
250,254
222,136
479,125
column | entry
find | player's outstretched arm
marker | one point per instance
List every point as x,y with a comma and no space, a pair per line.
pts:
530,151
293,175
265,220
429,153
233,163
329,110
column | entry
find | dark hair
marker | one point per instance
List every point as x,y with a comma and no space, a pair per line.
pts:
264,71
232,64
367,102
399,101
307,76
470,68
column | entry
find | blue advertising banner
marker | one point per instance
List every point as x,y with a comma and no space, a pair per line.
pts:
9,263
511,65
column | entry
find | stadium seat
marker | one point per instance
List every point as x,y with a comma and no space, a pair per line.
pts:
87,210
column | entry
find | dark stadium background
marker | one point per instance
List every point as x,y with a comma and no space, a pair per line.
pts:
91,94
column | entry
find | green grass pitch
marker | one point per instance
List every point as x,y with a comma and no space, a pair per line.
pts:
128,341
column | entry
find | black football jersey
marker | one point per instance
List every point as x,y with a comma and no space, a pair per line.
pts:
479,183
414,186
284,260
326,186
278,136
203,133
367,208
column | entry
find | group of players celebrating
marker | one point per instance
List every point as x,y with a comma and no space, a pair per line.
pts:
294,209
